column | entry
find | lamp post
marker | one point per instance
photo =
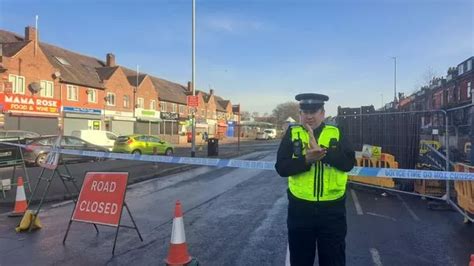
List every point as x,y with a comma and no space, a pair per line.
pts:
193,82
394,78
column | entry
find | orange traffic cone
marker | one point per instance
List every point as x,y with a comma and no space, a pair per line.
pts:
178,252
472,260
20,202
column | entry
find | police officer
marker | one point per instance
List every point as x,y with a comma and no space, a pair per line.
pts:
315,157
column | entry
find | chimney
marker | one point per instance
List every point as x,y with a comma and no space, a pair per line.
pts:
190,87
211,91
110,60
30,33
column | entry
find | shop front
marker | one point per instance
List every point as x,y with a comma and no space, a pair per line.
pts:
76,118
121,123
148,121
30,113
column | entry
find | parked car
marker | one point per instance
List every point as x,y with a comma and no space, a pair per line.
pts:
101,138
36,151
261,135
271,133
142,144
17,134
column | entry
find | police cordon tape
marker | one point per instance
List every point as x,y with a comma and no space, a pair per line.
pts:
261,165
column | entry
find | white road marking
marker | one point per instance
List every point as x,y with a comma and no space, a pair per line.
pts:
356,203
412,213
375,257
62,204
287,261
381,216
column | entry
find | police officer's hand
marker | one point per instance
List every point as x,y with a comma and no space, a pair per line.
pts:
313,155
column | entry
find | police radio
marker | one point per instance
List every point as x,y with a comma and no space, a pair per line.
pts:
298,147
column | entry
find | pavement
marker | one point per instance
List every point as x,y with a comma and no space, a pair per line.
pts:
238,217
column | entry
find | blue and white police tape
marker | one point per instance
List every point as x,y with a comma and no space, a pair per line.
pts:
261,165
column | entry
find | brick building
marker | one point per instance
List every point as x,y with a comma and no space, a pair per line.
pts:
48,89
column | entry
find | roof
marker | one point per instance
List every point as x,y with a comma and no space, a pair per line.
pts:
132,76
11,49
169,91
81,69
106,72
221,104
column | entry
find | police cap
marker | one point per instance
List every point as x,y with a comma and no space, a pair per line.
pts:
311,101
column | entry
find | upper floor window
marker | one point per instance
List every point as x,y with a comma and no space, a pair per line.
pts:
110,99
140,103
469,90
461,69
91,95
153,105
72,93
18,83
47,89
126,101
163,106
469,65
182,108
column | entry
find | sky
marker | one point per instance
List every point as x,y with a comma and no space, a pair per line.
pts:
262,53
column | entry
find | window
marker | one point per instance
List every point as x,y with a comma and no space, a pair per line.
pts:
182,109
153,105
62,61
163,107
110,99
47,89
461,69
72,94
91,95
18,84
126,101
469,90
469,65
140,103
175,108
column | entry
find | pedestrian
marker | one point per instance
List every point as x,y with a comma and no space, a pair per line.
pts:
316,158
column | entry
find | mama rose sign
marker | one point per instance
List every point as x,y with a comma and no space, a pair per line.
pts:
22,103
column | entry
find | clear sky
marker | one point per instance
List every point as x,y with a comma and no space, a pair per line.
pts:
261,53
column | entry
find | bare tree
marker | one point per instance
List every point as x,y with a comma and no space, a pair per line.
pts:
245,115
285,110
255,114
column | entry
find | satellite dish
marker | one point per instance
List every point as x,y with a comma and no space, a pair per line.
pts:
35,87
57,74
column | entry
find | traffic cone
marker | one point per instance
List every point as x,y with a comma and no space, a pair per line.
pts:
20,201
178,252
472,260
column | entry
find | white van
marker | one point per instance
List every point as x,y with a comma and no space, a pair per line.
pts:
271,133
101,138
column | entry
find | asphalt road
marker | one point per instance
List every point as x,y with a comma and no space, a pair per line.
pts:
139,171
238,217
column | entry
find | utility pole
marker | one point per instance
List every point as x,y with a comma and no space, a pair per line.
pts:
394,78
193,84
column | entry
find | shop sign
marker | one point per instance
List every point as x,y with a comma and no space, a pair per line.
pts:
169,116
148,113
79,110
22,103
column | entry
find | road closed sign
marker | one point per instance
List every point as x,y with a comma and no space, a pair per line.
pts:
101,198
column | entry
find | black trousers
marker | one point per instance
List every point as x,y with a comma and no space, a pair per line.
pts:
316,225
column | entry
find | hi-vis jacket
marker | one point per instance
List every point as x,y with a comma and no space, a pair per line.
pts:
321,182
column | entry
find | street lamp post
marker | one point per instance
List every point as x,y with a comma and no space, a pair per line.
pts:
193,82
394,78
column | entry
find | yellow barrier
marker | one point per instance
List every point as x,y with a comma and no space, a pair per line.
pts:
430,187
386,161
465,189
